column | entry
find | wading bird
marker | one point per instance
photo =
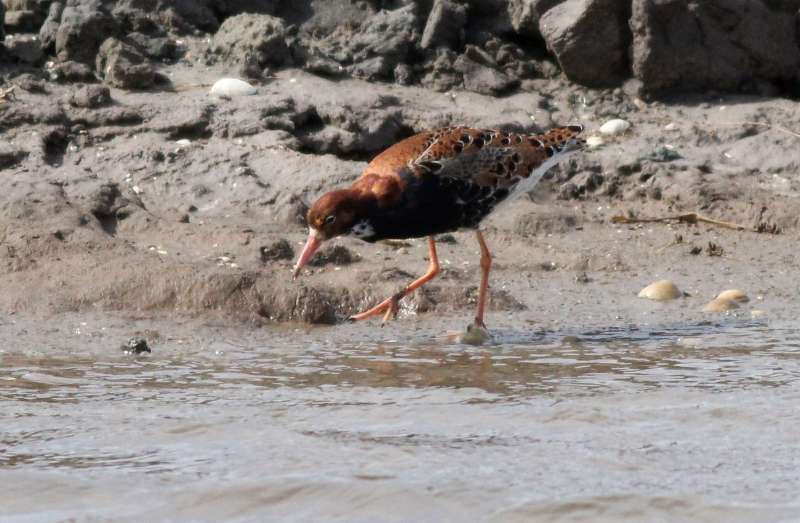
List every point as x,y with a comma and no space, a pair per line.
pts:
435,182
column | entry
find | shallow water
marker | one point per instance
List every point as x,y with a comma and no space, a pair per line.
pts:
670,423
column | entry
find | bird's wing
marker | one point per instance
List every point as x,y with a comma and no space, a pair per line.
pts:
489,158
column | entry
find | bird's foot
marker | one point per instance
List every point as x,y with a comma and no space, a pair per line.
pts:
474,334
387,307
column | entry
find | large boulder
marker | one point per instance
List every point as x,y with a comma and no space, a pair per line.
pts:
83,27
713,44
123,65
445,25
589,39
253,37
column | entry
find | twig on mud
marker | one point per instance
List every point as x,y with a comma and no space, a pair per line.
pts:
763,124
692,218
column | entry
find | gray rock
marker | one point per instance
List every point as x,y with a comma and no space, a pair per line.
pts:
278,250
589,39
156,47
483,78
390,34
69,72
82,29
445,25
49,29
714,44
261,38
90,96
122,65
24,48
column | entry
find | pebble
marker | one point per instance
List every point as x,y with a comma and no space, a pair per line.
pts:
473,335
661,290
231,87
593,142
616,126
135,345
720,305
758,313
733,295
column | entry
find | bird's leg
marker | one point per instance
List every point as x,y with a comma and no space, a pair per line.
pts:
486,264
388,307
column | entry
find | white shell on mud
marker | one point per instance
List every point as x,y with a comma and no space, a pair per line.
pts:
593,142
616,126
661,290
230,87
720,305
733,295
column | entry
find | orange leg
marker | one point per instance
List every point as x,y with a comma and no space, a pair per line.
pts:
486,264
388,307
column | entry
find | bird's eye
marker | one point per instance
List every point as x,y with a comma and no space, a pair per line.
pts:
330,219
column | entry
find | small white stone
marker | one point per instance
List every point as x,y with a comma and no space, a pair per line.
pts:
183,142
671,127
593,142
230,87
616,126
137,189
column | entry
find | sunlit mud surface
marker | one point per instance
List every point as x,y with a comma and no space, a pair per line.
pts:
686,422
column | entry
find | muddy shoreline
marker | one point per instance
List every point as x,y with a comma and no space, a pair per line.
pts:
168,200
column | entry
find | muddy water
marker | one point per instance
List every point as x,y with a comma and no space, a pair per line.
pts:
686,422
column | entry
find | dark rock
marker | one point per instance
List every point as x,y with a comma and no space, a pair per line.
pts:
336,255
191,15
22,21
261,38
714,44
156,47
135,345
279,250
31,83
445,25
589,39
2,21
49,29
483,78
90,96
82,29
568,191
69,72
24,48
10,156
122,65
324,67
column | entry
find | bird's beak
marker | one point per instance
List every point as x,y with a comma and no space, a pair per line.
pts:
312,244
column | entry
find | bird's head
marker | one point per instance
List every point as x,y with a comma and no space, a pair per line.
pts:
335,214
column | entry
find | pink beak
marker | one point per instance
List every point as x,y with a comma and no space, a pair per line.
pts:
312,244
